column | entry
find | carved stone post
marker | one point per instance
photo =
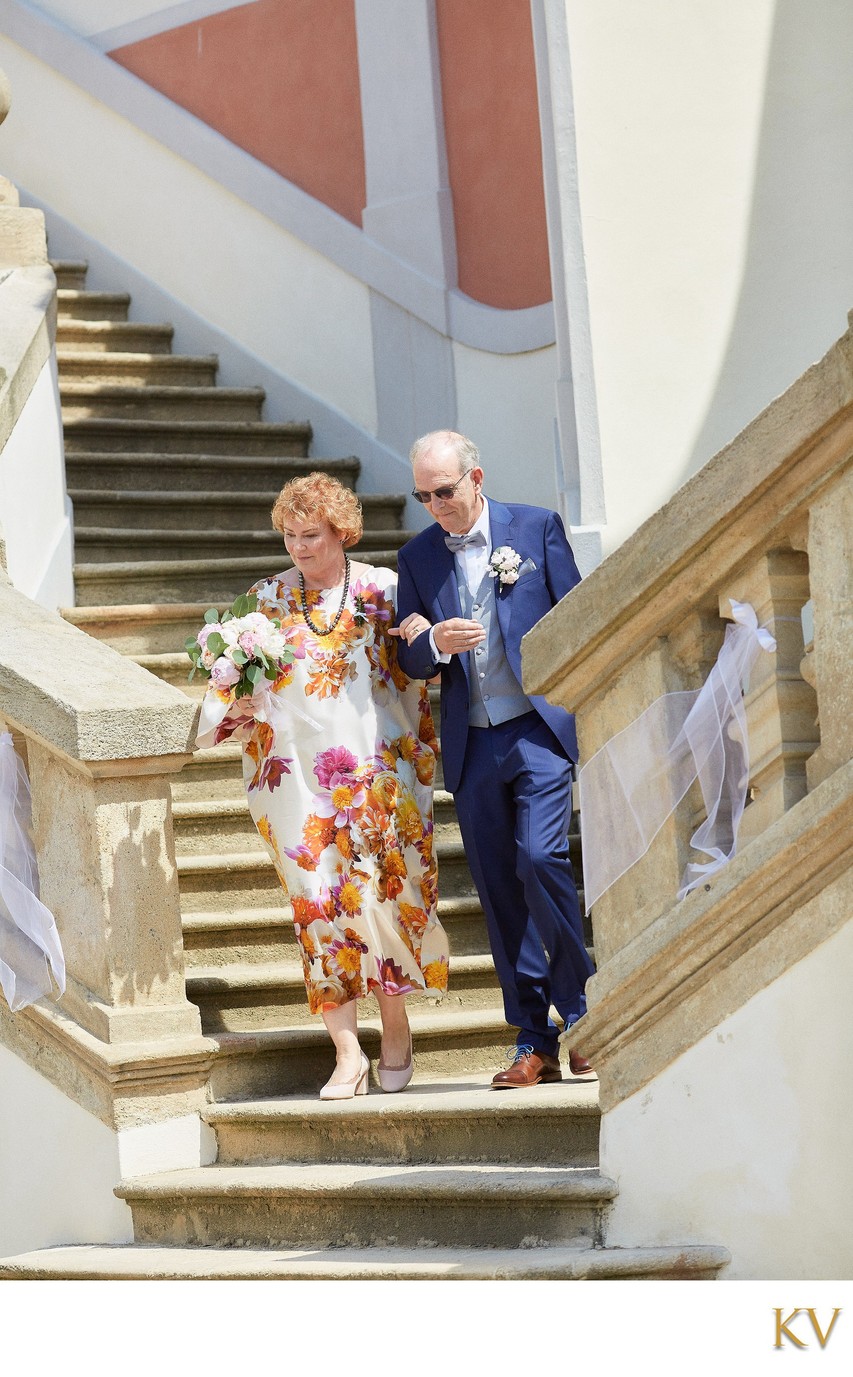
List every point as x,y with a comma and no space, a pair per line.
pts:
830,551
780,706
103,837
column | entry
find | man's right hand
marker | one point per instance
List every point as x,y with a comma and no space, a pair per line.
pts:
458,635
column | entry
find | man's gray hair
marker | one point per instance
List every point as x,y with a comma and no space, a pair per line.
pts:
466,450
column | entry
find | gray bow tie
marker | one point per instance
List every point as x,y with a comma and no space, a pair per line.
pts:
456,543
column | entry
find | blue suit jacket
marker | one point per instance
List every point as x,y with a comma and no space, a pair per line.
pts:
427,584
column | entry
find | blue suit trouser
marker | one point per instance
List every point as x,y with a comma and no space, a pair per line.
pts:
514,805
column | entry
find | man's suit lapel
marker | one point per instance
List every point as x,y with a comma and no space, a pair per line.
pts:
443,570
501,521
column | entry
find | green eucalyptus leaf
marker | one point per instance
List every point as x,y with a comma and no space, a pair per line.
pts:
211,615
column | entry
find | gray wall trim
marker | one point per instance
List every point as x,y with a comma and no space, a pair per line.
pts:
448,311
415,377
172,17
579,463
335,435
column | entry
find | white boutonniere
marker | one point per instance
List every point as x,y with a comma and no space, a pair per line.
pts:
504,564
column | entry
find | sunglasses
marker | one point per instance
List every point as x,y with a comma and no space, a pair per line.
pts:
443,493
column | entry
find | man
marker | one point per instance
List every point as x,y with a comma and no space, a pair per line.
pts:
507,757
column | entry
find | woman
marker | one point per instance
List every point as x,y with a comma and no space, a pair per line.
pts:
343,800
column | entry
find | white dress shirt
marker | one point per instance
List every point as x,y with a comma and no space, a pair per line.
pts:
471,564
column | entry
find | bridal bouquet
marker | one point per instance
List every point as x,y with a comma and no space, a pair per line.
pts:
241,649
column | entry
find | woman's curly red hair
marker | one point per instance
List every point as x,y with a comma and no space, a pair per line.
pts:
319,497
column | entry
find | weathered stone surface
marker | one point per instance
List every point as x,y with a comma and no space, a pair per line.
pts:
79,696
767,521
22,237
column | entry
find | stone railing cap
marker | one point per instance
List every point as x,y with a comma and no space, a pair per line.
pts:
79,695
659,557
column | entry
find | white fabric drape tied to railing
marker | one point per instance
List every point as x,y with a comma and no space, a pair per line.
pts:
631,785
29,942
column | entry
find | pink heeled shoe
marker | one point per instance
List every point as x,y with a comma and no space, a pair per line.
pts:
347,1090
396,1078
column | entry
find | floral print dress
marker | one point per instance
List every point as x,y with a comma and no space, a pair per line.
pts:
338,767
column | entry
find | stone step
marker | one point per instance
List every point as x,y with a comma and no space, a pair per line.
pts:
257,936
215,772
483,1205
107,401
217,582
247,879
141,370
102,543
74,304
293,1060
203,826
452,1121
106,336
70,273
135,1262
135,436
232,515
246,998
252,936
199,472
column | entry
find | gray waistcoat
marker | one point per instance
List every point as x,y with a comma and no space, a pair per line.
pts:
496,695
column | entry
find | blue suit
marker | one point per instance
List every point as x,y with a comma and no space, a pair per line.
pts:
512,782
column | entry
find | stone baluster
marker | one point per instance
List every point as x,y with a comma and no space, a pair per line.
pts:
829,541
780,706
675,662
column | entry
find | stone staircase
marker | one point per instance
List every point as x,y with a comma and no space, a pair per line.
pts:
172,479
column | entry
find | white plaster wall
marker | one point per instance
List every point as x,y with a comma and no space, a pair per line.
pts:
747,1139
35,512
59,1164
713,146
211,250
505,404
88,17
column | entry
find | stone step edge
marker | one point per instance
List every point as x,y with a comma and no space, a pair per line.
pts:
157,391
72,294
486,1183
265,539
201,809
149,568
247,461
66,324
291,429
242,977
575,1098
249,919
130,357
182,497
236,861
301,1037
137,1262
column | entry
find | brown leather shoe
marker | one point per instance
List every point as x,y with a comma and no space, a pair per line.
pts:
579,1066
528,1068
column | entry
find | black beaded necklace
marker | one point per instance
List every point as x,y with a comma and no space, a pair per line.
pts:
303,604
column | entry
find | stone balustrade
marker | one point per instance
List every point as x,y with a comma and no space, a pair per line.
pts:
101,739
768,521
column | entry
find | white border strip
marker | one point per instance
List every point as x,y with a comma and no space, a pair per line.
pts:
170,17
448,311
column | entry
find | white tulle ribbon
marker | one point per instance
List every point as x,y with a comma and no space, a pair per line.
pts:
633,783
279,712
29,942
